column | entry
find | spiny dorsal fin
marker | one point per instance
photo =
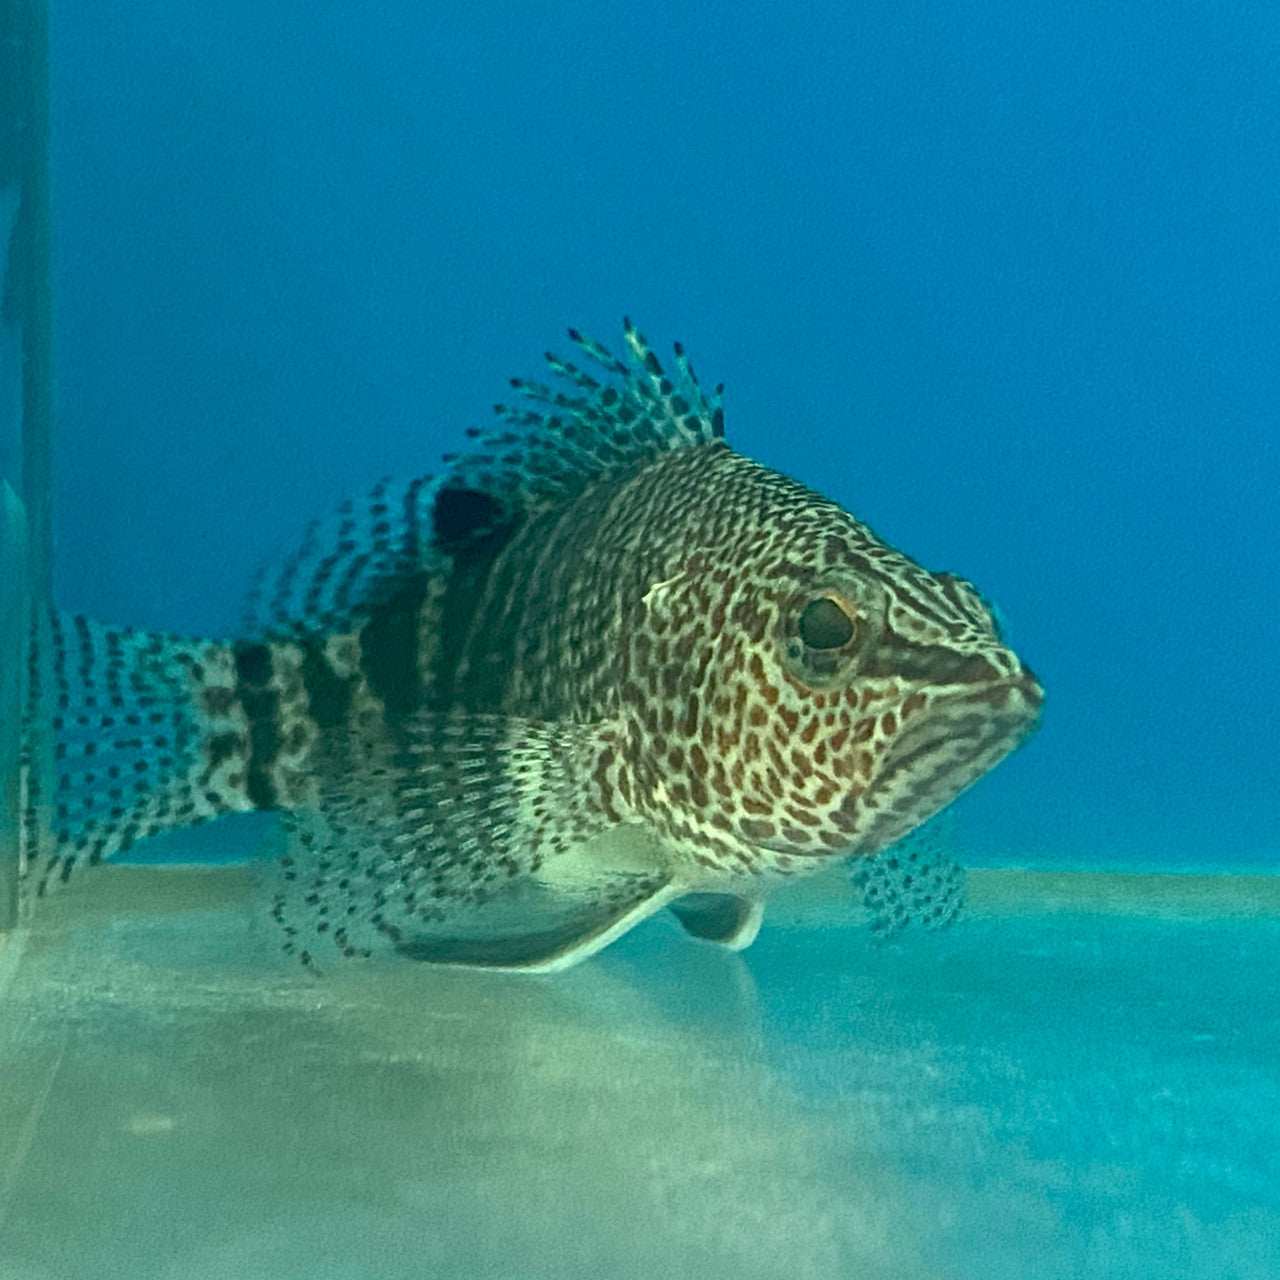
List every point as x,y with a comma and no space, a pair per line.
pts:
354,561
560,441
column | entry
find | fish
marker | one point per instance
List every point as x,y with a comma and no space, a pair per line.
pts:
598,666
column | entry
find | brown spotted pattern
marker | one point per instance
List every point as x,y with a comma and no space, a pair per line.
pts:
603,620
666,604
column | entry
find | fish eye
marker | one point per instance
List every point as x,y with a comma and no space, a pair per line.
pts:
824,625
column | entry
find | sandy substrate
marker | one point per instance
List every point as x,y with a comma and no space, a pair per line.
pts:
1082,1078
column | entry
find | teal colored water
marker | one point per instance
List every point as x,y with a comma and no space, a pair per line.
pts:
1080,1080
1002,281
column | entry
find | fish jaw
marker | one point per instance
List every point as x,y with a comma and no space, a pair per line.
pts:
883,774
939,755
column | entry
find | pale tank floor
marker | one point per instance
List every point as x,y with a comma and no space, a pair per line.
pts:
1081,1079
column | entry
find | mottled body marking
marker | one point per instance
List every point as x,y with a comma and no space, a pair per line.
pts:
601,665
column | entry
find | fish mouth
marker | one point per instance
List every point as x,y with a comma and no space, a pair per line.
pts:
932,762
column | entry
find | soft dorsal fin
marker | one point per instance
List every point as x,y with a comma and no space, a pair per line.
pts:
550,446
348,563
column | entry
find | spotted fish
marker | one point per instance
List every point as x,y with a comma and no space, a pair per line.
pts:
600,666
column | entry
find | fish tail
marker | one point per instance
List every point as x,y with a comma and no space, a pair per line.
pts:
127,734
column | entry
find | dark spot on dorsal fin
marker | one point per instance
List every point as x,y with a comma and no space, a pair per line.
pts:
462,513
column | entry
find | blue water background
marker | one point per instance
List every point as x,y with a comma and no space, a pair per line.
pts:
1004,279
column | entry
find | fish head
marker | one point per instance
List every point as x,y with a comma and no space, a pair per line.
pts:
828,694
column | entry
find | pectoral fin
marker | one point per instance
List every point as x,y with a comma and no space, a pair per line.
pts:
915,881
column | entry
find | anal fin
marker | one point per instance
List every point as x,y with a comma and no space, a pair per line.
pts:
546,951
471,841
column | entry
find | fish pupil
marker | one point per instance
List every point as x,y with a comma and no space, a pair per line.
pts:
825,625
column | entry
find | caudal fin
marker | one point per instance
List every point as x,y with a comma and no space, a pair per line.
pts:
127,735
